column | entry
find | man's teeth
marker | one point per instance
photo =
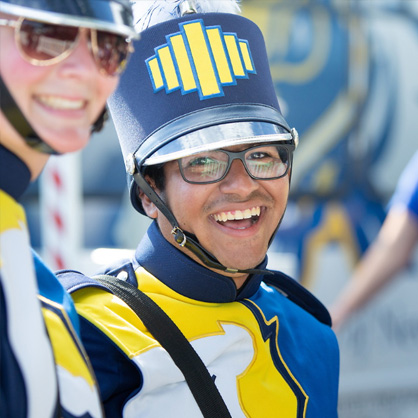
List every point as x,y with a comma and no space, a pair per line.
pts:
237,215
61,103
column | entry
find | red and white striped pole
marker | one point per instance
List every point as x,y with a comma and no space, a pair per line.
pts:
61,197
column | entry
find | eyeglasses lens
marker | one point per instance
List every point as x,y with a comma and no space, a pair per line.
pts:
267,162
264,162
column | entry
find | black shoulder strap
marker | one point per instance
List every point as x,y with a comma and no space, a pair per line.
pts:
299,295
160,325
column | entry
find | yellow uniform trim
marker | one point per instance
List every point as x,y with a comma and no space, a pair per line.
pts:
275,321
12,214
66,351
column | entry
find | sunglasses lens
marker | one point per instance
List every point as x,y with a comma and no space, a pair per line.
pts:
112,52
44,44
41,41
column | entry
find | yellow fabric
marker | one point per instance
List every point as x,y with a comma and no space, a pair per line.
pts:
12,215
67,353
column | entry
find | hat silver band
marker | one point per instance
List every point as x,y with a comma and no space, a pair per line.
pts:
219,136
229,125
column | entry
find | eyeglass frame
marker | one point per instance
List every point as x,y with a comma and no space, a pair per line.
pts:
94,48
240,155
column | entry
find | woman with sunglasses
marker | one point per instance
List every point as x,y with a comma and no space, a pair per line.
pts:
59,62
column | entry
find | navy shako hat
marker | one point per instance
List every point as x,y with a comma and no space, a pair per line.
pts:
195,83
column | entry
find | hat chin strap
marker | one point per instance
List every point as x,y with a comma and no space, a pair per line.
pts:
16,118
184,239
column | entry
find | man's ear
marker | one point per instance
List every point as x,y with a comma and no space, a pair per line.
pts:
149,207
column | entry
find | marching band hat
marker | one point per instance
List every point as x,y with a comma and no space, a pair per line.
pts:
198,82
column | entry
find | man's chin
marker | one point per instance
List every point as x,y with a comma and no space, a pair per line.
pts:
244,263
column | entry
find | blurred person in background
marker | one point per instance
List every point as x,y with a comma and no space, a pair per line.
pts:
209,159
388,254
59,62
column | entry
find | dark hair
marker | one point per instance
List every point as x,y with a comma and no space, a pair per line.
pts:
101,120
156,173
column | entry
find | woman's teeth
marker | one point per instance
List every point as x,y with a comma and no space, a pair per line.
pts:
60,103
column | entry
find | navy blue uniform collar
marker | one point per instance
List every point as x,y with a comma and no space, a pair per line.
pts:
14,174
185,276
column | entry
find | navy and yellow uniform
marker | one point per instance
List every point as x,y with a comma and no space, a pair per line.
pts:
269,356
44,369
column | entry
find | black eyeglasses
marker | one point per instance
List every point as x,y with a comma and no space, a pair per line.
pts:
262,162
42,44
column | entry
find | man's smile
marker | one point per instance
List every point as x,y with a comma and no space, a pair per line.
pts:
237,214
238,219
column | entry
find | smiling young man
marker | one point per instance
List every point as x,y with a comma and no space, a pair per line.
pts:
209,159
235,218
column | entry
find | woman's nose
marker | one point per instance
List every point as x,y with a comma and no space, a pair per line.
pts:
81,61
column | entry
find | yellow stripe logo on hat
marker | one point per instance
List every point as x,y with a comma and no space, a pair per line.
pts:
199,58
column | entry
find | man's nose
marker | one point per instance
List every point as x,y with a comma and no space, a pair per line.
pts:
237,180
